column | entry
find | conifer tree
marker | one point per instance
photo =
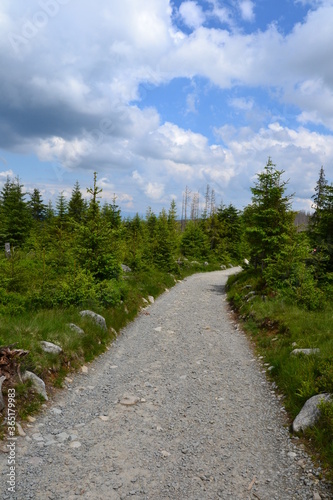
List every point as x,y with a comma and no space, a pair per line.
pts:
77,206
36,206
321,226
62,208
112,213
15,217
269,218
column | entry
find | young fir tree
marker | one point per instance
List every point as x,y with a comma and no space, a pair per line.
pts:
77,206
62,209
94,240
112,213
269,218
231,229
15,216
321,226
163,248
36,206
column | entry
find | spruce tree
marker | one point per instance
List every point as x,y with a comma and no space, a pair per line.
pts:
36,206
321,226
77,205
15,217
62,208
112,213
269,217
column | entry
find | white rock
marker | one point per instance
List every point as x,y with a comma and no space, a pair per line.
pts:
125,268
151,299
128,400
306,352
99,320
37,437
50,348
76,328
20,430
310,413
36,382
75,444
62,437
104,418
84,369
56,411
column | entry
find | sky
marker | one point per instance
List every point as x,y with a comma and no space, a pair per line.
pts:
157,95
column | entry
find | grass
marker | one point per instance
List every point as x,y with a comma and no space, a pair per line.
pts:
277,328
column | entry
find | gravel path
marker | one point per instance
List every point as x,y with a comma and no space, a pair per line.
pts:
206,423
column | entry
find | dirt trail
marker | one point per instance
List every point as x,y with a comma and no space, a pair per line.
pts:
205,423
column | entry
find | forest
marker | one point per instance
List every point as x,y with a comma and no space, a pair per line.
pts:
83,254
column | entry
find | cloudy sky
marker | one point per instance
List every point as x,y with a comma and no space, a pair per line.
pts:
155,95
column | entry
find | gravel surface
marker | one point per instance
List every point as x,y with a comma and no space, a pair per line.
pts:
178,408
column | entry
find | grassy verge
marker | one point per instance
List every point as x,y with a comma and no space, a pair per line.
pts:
28,329
277,328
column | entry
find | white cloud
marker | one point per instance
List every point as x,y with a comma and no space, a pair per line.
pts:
153,190
96,69
5,174
241,103
247,10
192,14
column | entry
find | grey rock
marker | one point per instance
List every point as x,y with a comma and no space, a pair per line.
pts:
76,328
206,264
62,437
128,400
50,348
37,383
126,269
151,299
306,352
2,403
310,413
97,318
223,267
20,430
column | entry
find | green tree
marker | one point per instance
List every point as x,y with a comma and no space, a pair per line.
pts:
36,206
112,213
194,241
94,241
321,227
269,218
62,209
15,216
231,230
77,206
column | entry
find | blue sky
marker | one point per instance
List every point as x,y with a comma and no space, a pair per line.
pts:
155,95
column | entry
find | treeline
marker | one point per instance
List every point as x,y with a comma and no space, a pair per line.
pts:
72,253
